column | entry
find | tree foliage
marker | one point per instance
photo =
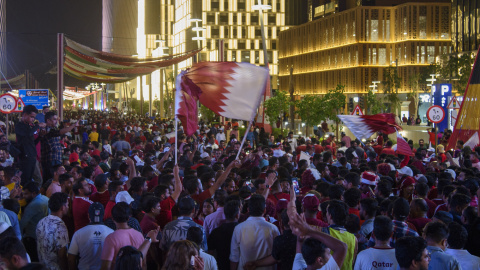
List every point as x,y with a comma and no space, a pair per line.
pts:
206,113
456,70
374,103
334,102
391,82
311,110
276,106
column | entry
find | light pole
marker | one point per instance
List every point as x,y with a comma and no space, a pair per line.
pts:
260,7
197,29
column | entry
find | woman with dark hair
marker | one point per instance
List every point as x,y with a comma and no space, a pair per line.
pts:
206,209
183,255
129,258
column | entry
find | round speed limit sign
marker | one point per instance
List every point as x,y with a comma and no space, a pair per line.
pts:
7,103
435,114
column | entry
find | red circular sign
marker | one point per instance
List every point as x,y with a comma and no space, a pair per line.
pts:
435,114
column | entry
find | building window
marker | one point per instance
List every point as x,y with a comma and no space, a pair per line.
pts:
241,45
246,56
272,19
215,32
241,6
254,19
215,5
223,18
211,18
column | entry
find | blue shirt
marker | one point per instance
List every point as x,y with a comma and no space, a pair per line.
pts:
441,260
34,212
13,220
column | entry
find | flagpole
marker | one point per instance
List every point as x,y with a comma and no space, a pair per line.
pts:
176,140
244,137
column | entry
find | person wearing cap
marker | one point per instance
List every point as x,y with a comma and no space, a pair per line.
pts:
407,188
310,205
81,203
368,181
87,243
52,234
177,229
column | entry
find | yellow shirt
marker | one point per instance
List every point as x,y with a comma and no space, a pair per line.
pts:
93,136
22,202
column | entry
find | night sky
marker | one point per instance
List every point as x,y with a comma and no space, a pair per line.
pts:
32,27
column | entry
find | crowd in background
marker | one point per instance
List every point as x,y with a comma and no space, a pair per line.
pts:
103,191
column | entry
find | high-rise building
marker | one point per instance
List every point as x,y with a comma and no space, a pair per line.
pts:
353,47
3,38
237,23
465,26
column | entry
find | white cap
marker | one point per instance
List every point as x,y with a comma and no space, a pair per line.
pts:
405,171
124,196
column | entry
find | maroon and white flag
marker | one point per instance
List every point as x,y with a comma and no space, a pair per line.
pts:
364,126
402,146
230,89
186,109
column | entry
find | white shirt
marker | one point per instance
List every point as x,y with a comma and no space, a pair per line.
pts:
253,240
466,260
209,262
87,243
376,258
300,264
221,137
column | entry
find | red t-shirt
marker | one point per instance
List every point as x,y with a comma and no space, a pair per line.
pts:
152,183
165,215
147,224
80,207
354,211
316,222
102,198
199,198
108,210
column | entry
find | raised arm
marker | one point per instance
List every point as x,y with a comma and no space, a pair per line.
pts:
132,170
223,177
301,229
178,184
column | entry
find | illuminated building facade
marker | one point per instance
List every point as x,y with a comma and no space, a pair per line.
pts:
353,47
3,37
465,26
235,22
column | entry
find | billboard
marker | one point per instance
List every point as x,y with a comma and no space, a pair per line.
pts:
35,97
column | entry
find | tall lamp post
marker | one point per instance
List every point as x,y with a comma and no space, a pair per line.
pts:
432,87
197,29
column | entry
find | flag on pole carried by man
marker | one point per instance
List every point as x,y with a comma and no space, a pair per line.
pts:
364,126
230,89
186,109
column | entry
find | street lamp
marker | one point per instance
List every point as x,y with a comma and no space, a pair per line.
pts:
197,29
260,7
374,86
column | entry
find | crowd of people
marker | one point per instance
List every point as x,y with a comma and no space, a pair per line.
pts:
106,191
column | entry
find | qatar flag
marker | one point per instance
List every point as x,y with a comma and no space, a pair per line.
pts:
186,109
402,146
230,89
364,126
